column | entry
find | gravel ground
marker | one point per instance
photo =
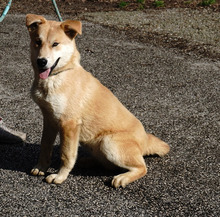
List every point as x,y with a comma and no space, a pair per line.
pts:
176,96
187,29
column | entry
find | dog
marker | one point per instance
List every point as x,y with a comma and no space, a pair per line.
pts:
78,107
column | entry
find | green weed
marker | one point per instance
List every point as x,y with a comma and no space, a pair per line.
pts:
187,2
141,4
207,2
141,1
158,4
123,4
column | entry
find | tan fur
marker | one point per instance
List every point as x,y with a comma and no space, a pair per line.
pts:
81,109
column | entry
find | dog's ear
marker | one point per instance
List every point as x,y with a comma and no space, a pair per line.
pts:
33,21
72,28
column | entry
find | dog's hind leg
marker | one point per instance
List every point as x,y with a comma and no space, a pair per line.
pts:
125,153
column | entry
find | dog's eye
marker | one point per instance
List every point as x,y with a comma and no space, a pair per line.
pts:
55,44
38,42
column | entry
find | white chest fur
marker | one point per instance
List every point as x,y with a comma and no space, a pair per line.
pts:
47,95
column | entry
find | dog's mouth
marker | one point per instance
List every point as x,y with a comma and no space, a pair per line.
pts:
44,74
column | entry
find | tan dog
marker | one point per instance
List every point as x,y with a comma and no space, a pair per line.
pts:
81,109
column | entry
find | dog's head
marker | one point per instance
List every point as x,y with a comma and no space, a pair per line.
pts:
52,44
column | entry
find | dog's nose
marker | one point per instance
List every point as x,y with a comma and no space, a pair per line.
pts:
41,62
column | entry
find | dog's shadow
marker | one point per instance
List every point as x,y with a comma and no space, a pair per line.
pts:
23,157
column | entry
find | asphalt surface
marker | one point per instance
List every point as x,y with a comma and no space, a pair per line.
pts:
176,97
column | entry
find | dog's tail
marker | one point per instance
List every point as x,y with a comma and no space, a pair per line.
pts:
155,146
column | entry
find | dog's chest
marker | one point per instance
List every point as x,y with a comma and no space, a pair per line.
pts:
50,100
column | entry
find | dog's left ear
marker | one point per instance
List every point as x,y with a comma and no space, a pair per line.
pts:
33,21
72,28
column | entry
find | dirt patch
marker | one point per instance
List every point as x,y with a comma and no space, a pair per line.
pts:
79,6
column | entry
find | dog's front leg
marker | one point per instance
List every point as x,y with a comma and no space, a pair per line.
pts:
48,138
69,147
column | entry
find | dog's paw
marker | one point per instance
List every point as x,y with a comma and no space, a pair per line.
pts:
55,178
38,171
120,180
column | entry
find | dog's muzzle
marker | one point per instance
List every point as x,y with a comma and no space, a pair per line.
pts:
45,72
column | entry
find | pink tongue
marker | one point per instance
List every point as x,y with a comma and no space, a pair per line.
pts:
45,74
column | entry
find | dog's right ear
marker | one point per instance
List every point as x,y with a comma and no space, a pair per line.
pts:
33,21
